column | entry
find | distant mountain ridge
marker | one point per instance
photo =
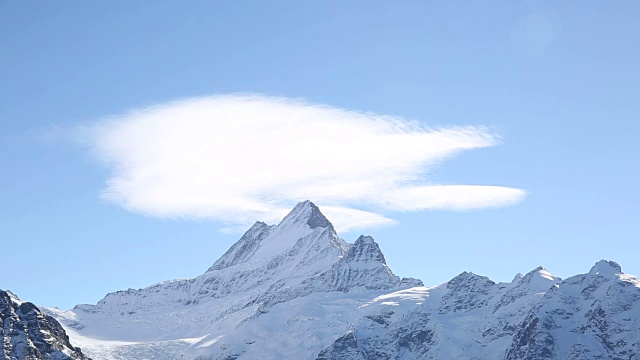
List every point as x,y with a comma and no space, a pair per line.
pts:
296,290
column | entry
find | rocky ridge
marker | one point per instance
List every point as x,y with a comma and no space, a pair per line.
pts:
29,334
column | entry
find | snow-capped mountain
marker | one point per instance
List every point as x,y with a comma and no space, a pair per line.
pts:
296,274
29,334
538,316
297,291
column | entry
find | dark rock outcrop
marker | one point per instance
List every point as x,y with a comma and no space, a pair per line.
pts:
29,334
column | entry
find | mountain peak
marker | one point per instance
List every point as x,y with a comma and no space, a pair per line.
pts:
538,279
12,296
304,220
365,249
365,239
309,213
606,268
539,272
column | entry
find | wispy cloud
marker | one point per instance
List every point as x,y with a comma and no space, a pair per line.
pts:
237,159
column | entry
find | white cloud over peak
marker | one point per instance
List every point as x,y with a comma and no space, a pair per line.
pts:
238,159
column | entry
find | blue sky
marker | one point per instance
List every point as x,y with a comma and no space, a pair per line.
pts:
551,89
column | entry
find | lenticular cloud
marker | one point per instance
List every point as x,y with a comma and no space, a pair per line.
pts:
237,159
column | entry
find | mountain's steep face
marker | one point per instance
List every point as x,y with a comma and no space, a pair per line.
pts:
296,290
363,266
242,250
467,292
28,334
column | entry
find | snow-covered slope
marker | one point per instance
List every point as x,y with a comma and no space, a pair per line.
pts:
28,334
297,291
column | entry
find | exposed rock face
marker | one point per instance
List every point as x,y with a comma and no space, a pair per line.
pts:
467,292
345,347
29,334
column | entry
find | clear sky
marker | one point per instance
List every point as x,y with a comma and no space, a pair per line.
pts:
138,138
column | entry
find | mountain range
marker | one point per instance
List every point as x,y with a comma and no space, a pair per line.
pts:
296,290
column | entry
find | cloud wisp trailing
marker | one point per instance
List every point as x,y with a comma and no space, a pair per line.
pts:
240,158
